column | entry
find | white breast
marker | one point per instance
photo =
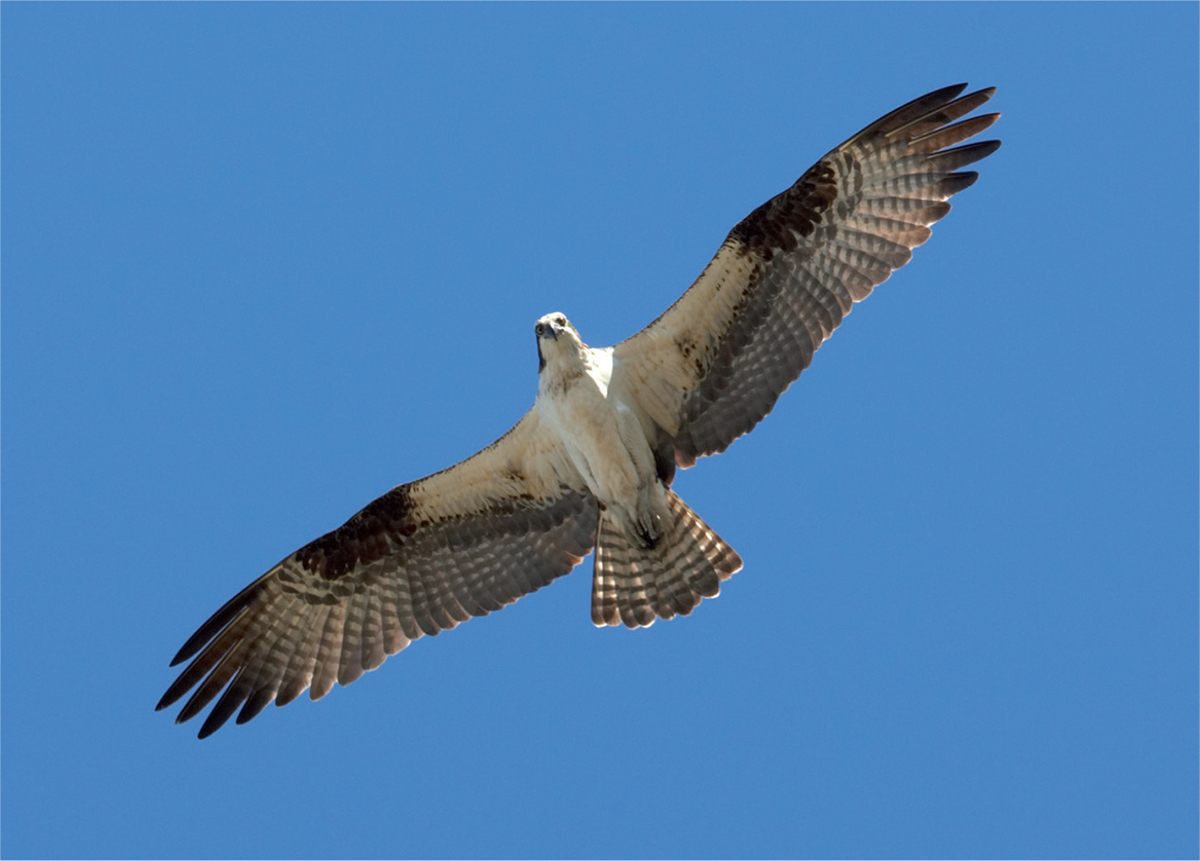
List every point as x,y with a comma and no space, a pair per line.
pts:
602,437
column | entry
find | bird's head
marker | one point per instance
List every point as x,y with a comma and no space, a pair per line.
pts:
557,340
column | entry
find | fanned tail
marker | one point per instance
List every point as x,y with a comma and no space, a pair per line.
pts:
634,585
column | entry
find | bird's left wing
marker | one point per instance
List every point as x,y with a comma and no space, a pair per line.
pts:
715,362
420,559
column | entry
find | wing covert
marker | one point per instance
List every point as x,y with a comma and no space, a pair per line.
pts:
713,365
418,560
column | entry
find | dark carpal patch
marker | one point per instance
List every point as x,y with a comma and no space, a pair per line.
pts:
768,229
364,538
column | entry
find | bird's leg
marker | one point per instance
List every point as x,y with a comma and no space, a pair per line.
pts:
647,523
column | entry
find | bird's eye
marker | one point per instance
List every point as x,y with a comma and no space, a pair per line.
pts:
560,320
539,329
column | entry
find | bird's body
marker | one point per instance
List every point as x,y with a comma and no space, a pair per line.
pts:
598,428
573,401
591,464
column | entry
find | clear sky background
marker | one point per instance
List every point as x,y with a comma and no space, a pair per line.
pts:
262,262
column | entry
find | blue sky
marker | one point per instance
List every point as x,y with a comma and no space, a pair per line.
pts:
262,262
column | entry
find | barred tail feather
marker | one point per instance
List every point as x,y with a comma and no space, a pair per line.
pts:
634,585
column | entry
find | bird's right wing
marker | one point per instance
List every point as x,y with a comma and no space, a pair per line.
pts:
420,559
715,362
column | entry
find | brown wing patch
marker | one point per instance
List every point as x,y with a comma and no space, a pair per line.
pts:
375,532
779,224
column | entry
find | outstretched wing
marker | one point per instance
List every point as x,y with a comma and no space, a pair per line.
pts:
420,559
715,362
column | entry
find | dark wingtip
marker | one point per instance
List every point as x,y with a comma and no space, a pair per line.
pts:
219,620
178,688
957,182
206,730
167,699
230,702
968,154
215,720
988,120
912,111
948,92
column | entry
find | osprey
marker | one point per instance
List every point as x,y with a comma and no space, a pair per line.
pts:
590,465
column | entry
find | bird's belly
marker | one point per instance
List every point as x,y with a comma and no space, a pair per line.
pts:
602,442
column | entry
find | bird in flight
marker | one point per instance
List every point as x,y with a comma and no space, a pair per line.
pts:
590,466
